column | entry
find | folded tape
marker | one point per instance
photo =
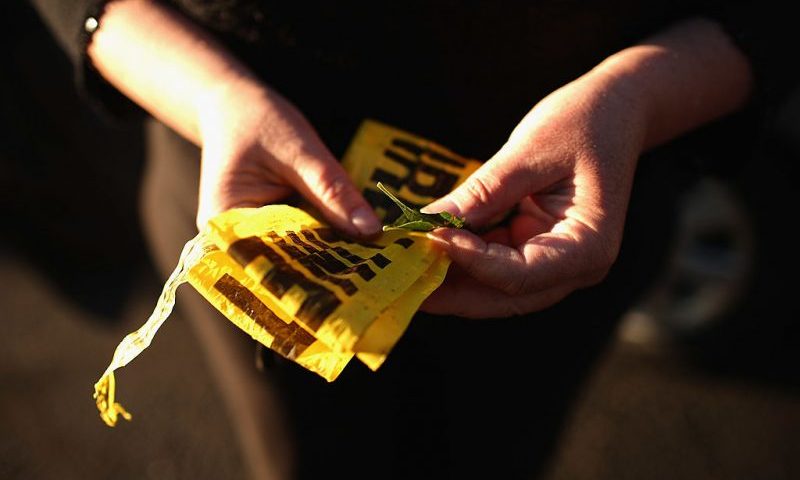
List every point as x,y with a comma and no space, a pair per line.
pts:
300,288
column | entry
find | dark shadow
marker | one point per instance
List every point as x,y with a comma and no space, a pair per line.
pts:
69,187
759,339
758,336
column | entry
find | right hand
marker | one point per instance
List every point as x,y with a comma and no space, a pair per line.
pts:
257,148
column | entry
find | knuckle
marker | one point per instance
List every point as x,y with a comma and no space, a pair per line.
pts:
599,262
602,254
469,264
332,190
293,154
479,191
514,285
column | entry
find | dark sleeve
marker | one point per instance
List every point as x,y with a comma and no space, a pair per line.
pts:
66,20
766,32
72,23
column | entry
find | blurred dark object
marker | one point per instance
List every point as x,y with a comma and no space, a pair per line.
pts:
69,187
727,296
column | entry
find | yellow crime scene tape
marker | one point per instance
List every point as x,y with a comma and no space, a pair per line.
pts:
298,287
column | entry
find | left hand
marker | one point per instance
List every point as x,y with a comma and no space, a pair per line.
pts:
568,168
569,165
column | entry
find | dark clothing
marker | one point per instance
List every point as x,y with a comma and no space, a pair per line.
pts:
455,398
462,73
466,399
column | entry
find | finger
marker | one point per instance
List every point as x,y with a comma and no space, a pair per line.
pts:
325,183
221,190
499,235
542,262
206,211
524,227
497,186
492,264
519,229
571,252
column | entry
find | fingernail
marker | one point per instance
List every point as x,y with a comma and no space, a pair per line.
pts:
452,237
365,221
441,205
437,240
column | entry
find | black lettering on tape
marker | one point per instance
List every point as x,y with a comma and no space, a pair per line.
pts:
391,179
404,242
380,260
388,178
348,255
443,182
379,201
245,250
363,271
299,241
329,235
290,339
319,303
313,239
418,162
317,263
330,263
293,251
312,265
419,151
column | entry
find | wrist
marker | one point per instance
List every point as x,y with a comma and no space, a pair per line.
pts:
620,87
229,97
639,73
682,78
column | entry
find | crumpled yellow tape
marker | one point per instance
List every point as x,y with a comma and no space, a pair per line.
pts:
302,290
134,343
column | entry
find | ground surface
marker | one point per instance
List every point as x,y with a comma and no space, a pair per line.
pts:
644,413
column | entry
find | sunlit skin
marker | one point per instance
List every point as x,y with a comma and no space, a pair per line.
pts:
568,166
257,148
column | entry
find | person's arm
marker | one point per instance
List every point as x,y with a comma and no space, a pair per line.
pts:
684,77
256,146
163,62
569,167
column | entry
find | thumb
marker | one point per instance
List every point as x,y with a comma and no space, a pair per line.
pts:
326,184
495,188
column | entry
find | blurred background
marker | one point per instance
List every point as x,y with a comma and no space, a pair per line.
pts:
701,381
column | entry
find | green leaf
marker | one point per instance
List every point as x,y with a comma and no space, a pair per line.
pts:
414,220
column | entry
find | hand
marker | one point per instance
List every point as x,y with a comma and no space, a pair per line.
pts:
568,169
258,149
